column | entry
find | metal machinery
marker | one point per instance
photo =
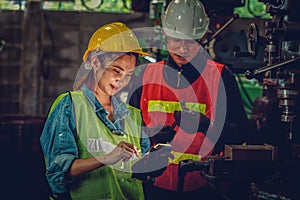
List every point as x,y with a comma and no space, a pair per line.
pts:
275,113
275,116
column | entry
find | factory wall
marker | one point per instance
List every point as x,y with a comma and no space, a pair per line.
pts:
42,52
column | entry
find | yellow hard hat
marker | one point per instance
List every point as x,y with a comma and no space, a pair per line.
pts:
114,37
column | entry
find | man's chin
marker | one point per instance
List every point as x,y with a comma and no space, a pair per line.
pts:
179,57
180,61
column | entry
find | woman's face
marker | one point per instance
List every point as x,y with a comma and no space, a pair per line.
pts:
117,74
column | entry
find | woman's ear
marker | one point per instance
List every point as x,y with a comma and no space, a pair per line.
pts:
95,63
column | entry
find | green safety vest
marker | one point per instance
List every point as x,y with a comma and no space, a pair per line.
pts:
94,138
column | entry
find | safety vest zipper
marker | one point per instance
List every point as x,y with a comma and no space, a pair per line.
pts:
178,77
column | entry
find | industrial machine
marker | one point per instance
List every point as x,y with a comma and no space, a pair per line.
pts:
274,115
275,119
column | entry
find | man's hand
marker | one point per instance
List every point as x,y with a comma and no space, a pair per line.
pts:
192,122
161,134
154,163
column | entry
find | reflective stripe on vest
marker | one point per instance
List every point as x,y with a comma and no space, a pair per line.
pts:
171,106
178,156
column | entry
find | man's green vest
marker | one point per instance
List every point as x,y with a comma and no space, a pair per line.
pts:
94,138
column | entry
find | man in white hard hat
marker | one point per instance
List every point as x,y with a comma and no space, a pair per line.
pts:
189,101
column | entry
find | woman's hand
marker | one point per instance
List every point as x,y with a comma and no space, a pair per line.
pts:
123,151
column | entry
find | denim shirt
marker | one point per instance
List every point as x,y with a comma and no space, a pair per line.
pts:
58,139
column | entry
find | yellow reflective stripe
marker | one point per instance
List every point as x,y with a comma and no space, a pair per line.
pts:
163,106
178,156
171,106
197,107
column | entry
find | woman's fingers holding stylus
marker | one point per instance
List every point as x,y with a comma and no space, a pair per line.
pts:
128,149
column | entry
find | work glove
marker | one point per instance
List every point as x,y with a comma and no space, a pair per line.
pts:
153,163
161,134
191,122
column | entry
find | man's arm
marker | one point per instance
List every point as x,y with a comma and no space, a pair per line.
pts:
236,121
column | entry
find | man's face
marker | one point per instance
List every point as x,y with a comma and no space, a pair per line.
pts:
182,51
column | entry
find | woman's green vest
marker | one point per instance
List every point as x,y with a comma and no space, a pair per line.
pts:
94,138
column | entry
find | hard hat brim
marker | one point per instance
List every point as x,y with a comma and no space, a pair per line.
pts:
178,35
141,53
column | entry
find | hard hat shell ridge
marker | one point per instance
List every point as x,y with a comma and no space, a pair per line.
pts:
114,37
185,19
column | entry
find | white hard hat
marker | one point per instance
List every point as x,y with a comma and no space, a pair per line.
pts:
185,19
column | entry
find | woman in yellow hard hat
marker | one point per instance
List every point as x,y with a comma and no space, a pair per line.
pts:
91,138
